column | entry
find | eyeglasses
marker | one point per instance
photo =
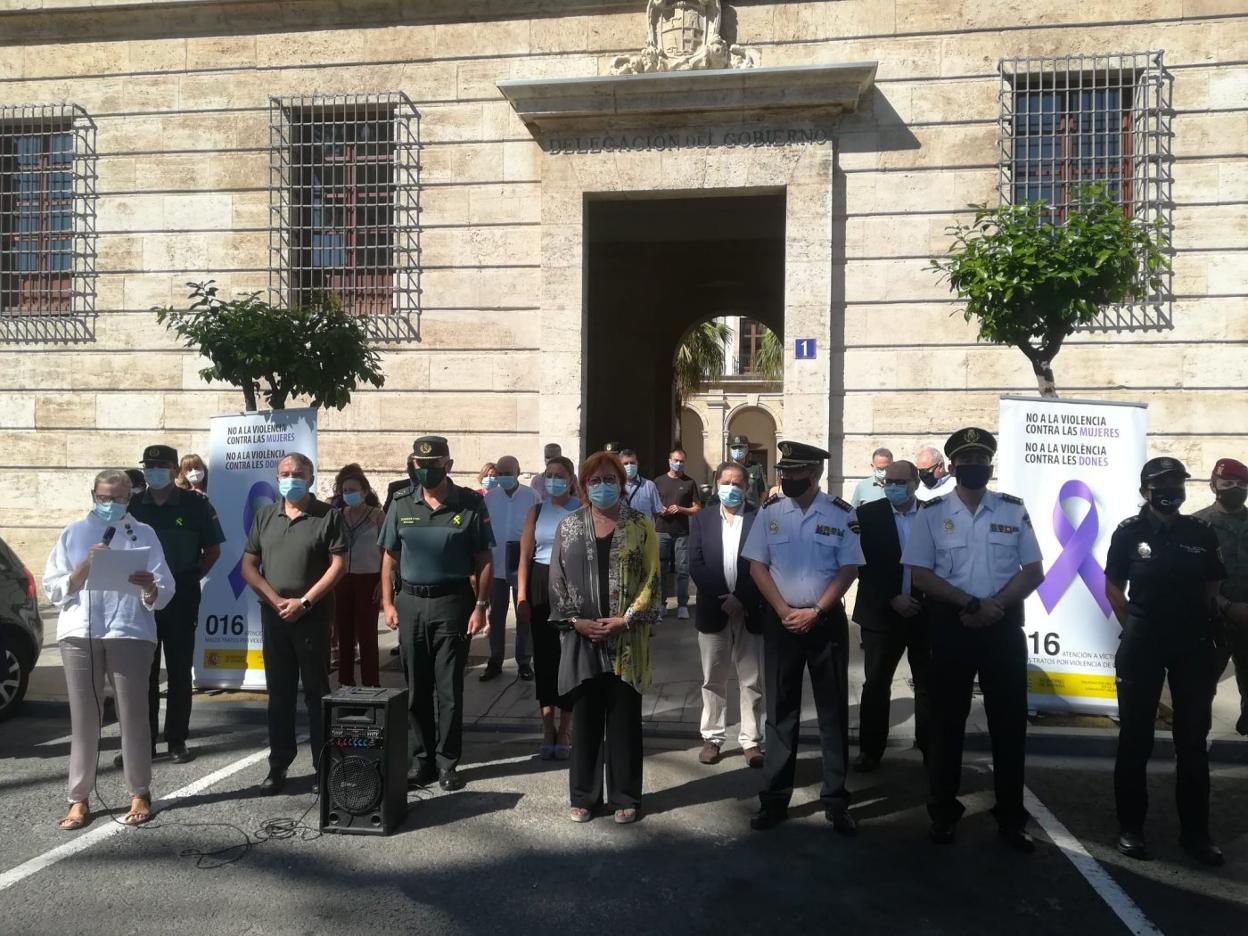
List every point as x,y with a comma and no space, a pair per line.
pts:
105,499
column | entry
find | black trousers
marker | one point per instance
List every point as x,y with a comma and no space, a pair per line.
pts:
824,651
998,655
883,649
1237,650
1144,661
434,636
294,652
606,729
175,635
546,640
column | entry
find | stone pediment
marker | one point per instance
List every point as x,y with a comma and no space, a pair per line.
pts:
554,103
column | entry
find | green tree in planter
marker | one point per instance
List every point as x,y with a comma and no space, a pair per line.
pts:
1030,283
316,350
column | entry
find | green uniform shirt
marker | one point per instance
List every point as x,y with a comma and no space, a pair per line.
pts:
1232,531
756,484
186,524
437,547
295,554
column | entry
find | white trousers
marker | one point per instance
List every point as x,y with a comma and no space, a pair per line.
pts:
127,664
734,647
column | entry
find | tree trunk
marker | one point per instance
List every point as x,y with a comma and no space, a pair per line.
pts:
249,395
1044,377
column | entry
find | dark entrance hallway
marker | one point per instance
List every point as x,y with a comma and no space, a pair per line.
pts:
656,268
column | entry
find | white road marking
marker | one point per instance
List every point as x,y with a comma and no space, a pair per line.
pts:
1101,881
106,826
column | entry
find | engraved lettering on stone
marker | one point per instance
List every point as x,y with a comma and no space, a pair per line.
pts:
684,35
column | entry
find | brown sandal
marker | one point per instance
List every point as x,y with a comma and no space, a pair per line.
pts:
140,811
74,820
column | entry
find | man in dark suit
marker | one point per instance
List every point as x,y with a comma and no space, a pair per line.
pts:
729,615
891,613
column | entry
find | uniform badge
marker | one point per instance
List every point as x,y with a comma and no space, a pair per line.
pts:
948,525
178,522
786,449
774,526
458,520
425,448
971,435
1144,550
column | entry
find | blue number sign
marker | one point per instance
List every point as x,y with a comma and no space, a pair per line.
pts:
805,349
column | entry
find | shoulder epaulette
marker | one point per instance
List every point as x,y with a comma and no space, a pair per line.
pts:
774,499
931,503
1011,499
843,504
1200,520
402,492
1130,520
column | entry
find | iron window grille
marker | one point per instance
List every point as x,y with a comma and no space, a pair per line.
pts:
1101,119
344,206
47,223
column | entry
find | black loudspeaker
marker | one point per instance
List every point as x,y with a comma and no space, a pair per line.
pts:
363,776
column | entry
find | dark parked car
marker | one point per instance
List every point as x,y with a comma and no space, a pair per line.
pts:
21,630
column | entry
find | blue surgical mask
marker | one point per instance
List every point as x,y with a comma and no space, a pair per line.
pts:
896,494
604,496
631,470
293,489
506,482
489,482
676,466
730,495
556,487
737,453
158,478
353,498
110,512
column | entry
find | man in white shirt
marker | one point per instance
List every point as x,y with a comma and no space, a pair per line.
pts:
508,506
934,478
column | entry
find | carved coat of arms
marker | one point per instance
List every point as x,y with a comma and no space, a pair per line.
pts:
685,35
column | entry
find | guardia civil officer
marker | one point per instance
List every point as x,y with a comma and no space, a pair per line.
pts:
804,554
1168,633
439,536
974,554
190,534
756,478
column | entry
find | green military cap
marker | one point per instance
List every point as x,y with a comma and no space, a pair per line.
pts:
739,440
431,446
800,455
970,438
159,455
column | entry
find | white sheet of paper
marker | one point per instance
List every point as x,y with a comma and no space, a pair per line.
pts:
111,569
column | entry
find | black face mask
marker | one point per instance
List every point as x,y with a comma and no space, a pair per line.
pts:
928,477
794,487
1166,500
973,477
426,477
1233,498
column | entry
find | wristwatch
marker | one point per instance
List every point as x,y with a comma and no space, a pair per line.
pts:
305,604
971,607
483,604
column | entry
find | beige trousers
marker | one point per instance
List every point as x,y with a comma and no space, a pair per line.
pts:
127,664
734,647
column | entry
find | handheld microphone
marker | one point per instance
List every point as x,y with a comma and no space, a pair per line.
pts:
108,536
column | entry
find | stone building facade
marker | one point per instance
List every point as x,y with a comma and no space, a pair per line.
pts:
804,181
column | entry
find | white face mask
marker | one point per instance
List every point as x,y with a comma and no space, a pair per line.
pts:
194,476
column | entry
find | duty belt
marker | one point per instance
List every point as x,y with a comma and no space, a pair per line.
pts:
435,591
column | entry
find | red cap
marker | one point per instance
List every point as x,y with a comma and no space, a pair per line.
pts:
1231,470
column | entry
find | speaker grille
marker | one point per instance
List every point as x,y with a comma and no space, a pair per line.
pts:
355,784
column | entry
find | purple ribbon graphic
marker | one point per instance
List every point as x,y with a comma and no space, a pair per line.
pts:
1076,557
261,489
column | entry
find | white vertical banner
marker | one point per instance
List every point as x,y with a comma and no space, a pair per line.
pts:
1077,465
242,470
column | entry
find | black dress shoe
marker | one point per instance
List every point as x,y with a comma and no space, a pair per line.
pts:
1132,845
526,672
274,783
491,671
865,763
450,780
1018,839
943,831
1241,724
180,755
767,818
1205,852
423,775
842,821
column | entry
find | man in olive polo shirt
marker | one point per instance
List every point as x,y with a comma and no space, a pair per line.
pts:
190,534
439,536
295,553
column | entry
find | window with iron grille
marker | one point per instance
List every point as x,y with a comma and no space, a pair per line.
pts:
1104,120
344,206
47,223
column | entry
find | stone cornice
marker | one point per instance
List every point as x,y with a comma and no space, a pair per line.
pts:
554,103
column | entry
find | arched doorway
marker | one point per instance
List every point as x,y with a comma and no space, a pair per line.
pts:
759,425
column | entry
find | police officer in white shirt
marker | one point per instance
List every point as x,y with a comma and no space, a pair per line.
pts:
934,478
975,554
804,554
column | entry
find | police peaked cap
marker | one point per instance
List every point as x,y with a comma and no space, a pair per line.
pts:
800,455
159,455
970,438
